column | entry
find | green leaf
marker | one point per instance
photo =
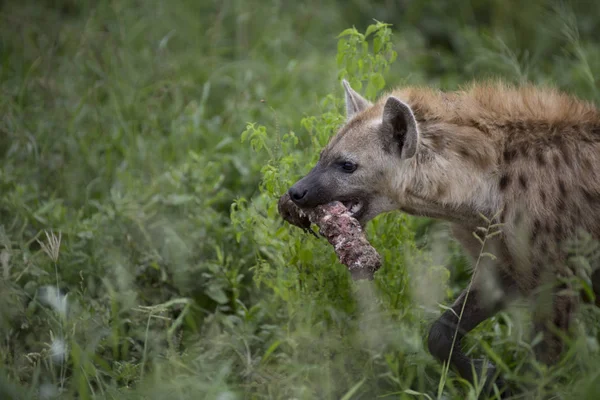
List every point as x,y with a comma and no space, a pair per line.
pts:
494,356
249,127
415,393
353,390
217,294
350,32
341,47
270,350
371,29
377,43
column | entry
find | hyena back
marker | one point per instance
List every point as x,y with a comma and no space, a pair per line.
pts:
529,156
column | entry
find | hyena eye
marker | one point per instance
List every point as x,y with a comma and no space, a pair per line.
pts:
348,166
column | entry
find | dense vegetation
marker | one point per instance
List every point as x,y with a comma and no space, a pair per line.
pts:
143,146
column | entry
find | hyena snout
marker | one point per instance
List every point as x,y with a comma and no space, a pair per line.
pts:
306,194
310,191
298,195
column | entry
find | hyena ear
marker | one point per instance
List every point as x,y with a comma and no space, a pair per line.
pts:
354,102
399,120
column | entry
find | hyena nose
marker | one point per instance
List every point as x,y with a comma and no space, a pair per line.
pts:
298,196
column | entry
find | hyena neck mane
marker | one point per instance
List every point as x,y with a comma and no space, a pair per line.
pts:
464,137
490,105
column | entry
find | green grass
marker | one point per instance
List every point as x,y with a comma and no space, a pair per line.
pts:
125,184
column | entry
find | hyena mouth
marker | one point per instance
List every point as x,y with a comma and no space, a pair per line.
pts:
356,208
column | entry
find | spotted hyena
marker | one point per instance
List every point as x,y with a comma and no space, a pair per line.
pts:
528,156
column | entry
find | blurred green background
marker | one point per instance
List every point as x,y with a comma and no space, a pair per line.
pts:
140,250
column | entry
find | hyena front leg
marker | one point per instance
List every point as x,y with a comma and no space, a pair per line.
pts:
441,335
553,320
489,292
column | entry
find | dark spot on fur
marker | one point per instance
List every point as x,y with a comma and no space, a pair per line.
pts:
523,181
557,140
536,229
562,188
511,269
566,152
441,191
536,271
509,155
519,126
590,196
544,246
539,157
477,125
558,230
464,152
587,164
386,147
437,143
524,151
504,181
561,205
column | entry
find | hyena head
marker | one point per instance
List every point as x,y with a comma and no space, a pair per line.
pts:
360,164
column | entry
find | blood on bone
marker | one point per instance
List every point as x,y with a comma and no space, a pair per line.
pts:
341,230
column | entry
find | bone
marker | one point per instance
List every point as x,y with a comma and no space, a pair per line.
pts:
342,231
